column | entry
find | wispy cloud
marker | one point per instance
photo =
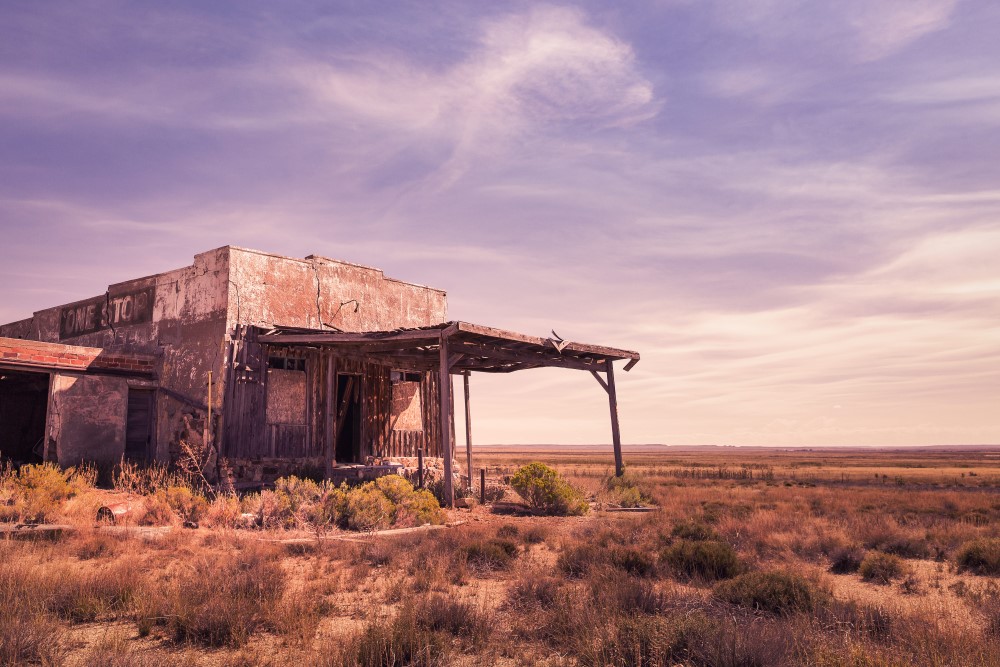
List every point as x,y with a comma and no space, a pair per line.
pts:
789,207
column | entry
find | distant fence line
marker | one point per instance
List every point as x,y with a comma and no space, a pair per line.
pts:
761,472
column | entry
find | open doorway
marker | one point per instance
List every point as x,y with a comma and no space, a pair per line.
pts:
139,425
348,418
24,400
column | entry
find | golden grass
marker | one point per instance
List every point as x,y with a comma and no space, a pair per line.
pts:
592,590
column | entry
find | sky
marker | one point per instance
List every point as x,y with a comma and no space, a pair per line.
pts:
790,208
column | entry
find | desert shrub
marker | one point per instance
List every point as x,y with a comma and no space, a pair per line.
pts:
493,554
273,510
846,559
628,490
142,480
533,591
508,530
119,651
188,504
376,553
647,641
388,501
221,601
708,560
576,561
367,508
980,556
224,512
394,487
35,492
881,568
535,534
299,496
399,641
418,508
906,546
442,613
627,596
633,561
694,530
547,492
867,620
29,638
773,592
156,510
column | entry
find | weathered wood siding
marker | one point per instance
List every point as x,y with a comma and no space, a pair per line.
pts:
248,435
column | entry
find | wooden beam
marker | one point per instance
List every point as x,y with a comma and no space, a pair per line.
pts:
468,429
429,335
490,332
630,364
616,436
601,380
444,383
500,354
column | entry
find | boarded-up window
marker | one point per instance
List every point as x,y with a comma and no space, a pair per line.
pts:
405,410
286,397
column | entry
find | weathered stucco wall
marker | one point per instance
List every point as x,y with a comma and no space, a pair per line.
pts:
19,329
186,317
185,329
272,290
86,420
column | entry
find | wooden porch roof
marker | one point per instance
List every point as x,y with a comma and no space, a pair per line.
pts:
470,347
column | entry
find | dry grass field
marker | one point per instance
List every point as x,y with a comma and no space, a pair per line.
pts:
754,557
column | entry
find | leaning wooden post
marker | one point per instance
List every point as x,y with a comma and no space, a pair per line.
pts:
616,435
445,408
468,430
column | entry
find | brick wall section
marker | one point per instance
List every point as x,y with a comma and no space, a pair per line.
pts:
71,357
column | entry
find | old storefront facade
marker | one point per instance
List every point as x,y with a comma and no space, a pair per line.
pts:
298,361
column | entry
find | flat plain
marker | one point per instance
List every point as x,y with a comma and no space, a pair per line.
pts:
739,556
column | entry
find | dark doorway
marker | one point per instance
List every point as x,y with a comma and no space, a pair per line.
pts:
139,426
24,400
348,419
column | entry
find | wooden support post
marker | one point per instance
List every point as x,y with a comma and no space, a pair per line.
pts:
482,486
616,435
329,415
468,430
444,383
420,467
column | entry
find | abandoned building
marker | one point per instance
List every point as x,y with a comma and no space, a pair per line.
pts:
270,363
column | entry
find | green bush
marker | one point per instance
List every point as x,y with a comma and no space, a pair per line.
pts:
188,504
299,493
881,568
547,492
628,490
36,491
981,556
701,559
367,508
388,501
779,593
